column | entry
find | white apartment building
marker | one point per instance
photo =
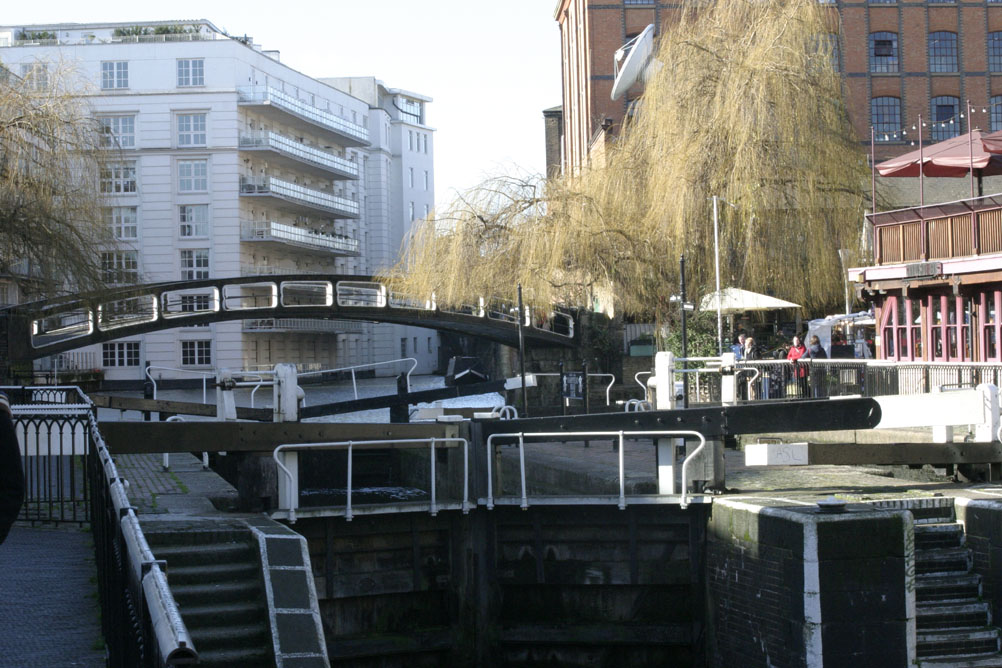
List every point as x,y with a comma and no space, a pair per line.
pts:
234,164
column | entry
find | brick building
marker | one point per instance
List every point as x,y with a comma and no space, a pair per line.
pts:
900,60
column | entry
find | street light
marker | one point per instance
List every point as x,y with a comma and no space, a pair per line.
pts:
716,262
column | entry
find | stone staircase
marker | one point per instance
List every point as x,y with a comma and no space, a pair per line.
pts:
215,577
954,626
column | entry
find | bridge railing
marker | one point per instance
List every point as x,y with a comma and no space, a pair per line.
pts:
141,622
286,456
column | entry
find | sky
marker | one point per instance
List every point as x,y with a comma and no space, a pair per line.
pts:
491,67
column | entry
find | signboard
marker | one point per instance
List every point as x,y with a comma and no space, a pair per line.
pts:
923,269
573,385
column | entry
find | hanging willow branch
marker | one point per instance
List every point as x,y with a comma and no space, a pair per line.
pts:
746,106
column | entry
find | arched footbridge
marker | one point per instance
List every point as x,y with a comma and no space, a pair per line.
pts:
38,329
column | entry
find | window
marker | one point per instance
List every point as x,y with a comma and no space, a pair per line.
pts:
193,175
194,264
119,178
403,346
411,211
414,348
124,353
883,52
114,74
942,52
426,179
995,52
412,176
991,306
120,267
429,344
410,140
191,72
885,115
194,219
945,116
196,353
426,212
190,130
117,131
36,75
194,303
122,222
995,113
425,143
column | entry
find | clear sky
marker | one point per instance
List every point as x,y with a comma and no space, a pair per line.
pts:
491,67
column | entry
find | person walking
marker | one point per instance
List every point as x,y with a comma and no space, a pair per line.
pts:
797,351
818,372
11,470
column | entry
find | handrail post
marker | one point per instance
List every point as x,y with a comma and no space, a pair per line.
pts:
347,508
466,476
354,385
490,477
521,465
434,510
622,474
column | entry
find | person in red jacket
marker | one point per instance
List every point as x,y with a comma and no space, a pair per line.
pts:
11,470
798,350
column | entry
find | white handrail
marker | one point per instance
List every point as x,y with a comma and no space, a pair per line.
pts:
643,386
596,375
565,435
204,374
293,501
354,384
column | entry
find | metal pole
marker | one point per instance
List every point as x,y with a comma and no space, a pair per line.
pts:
921,166
521,352
873,171
970,144
685,337
716,263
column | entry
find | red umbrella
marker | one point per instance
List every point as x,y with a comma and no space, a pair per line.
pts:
992,142
958,156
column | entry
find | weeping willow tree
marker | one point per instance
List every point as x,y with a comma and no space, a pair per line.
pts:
747,106
51,156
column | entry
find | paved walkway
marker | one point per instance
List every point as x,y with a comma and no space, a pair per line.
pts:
49,612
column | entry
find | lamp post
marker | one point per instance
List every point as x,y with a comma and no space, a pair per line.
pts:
716,262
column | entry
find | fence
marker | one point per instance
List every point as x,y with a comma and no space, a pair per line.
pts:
780,379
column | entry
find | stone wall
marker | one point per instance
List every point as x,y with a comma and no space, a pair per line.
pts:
787,586
982,520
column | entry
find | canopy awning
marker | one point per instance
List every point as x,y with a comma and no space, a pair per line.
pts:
736,300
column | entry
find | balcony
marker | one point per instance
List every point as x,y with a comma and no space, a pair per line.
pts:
289,235
298,199
285,108
295,155
302,325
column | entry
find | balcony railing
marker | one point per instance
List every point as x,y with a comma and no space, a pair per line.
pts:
966,228
265,230
272,270
340,207
300,151
302,325
266,95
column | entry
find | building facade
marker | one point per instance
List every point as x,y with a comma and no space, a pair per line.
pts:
234,164
900,60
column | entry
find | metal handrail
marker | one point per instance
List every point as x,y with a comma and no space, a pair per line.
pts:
348,445
352,368
205,375
643,386
565,435
596,375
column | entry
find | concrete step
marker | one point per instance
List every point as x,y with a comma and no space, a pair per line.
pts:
973,615
951,644
945,589
927,510
217,572
931,536
213,592
230,636
237,612
247,657
975,661
943,560
188,555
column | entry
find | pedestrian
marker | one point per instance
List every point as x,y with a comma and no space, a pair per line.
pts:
11,470
815,351
750,353
798,350
739,346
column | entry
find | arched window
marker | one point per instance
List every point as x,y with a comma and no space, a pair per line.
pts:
885,115
995,52
995,113
943,52
883,52
945,117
